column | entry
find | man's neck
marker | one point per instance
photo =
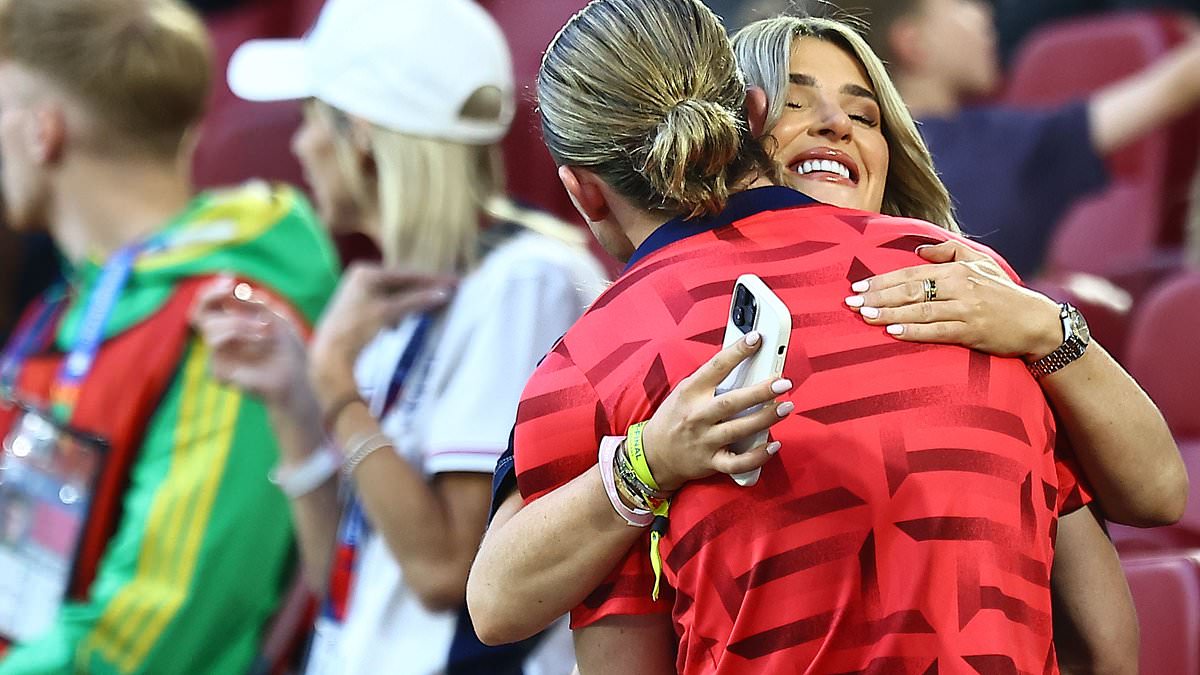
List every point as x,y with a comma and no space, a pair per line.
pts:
102,207
927,96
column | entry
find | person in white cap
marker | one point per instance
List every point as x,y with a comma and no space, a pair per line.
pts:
410,386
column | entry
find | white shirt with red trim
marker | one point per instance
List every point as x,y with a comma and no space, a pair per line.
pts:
455,413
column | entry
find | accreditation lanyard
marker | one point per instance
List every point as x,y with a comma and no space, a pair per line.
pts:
64,394
354,527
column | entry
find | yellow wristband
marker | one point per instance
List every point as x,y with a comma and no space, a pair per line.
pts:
637,455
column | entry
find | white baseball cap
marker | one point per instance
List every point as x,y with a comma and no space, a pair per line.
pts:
407,65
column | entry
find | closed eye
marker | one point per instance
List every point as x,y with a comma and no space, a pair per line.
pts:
863,119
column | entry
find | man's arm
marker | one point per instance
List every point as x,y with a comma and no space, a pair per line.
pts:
1138,104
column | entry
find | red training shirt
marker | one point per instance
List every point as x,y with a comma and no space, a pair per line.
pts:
907,524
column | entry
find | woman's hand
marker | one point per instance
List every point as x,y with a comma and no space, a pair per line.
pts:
977,305
253,347
369,298
689,434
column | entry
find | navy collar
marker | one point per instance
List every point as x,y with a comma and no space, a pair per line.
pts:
740,206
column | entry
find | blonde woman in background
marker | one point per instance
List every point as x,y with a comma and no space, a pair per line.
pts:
410,386
572,536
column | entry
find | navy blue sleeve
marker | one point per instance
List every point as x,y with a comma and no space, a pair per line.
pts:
504,480
1014,173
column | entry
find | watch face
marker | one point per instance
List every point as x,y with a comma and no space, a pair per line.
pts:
1079,327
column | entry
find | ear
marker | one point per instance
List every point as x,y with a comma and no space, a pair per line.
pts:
585,193
904,41
48,134
359,132
756,110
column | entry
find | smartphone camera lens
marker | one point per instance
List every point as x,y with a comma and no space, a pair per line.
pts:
739,317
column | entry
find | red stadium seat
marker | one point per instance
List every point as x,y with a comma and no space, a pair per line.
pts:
232,27
529,26
244,140
1164,353
532,177
1166,592
1164,356
1144,206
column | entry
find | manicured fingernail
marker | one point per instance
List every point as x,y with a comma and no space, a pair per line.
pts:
918,249
243,292
855,301
861,286
773,447
870,312
895,329
784,409
753,337
780,386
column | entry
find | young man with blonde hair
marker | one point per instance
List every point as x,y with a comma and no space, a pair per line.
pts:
158,544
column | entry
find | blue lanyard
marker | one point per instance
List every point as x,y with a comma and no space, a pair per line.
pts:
75,368
354,525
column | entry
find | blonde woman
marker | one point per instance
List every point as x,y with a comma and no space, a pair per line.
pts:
410,386
572,536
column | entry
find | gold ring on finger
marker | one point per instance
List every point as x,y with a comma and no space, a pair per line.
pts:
930,287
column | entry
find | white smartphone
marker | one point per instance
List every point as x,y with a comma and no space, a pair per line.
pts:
755,307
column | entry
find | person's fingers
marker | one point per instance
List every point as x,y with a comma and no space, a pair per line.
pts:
716,369
213,297
950,251
731,403
909,292
920,312
898,277
393,279
734,430
945,332
395,309
728,462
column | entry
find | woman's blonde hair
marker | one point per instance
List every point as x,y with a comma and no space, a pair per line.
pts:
432,194
913,188
648,95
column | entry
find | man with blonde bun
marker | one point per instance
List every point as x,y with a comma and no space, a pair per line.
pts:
157,543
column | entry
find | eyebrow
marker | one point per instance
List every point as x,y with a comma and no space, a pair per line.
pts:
848,89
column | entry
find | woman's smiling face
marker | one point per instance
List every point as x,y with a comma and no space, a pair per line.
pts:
830,135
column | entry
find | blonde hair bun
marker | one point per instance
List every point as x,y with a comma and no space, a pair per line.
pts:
691,152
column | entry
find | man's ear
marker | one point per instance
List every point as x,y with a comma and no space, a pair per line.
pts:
756,110
584,190
48,134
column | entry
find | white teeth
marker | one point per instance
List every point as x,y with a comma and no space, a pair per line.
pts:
826,165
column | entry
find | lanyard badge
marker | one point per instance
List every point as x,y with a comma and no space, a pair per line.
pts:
47,473
48,469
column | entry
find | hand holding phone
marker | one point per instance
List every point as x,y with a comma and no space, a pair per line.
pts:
755,308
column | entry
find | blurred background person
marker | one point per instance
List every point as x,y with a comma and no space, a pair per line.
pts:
417,366
98,100
1012,173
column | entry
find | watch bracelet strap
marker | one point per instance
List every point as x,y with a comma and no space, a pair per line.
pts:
1071,349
